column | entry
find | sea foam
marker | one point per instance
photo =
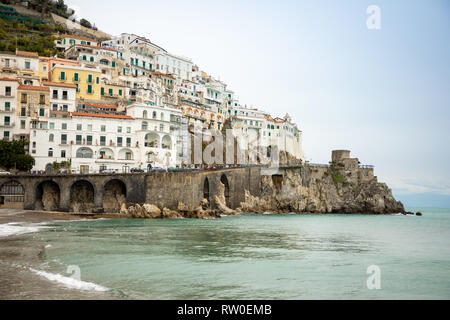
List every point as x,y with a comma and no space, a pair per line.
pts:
71,283
12,229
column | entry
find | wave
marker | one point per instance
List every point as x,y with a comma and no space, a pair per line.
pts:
71,283
12,229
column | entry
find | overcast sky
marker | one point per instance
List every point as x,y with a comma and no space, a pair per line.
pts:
384,94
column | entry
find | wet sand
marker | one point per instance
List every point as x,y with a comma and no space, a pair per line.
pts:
18,254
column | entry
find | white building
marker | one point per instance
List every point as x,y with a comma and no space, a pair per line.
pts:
8,107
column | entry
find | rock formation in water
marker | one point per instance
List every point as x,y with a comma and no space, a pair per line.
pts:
221,202
334,190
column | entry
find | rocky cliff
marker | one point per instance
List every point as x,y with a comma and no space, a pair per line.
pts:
335,191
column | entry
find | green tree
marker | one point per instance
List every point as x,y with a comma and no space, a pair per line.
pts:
13,156
85,23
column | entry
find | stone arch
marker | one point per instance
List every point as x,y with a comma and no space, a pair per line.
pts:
48,196
166,142
85,152
224,181
145,114
152,140
126,154
206,189
106,153
49,168
82,193
114,195
12,194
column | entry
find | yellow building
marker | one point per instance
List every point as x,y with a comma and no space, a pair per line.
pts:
47,63
112,91
86,79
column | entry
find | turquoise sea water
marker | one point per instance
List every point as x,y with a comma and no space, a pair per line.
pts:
257,256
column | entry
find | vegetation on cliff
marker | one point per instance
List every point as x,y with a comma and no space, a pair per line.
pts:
28,36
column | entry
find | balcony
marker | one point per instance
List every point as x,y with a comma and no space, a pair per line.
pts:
8,111
7,125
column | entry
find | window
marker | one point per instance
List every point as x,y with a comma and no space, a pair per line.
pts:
119,141
55,107
97,80
79,127
41,112
103,128
23,98
52,125
78,139
62,75
110,92
64,95
102,140
64,126
8,91
64,139
22,124
113,64
89,89
92,59
6,135
65,107
7,120
120,92
90,78
119,129
128,142
7,106
27,65
144,125
63,153
128,129
51,137
89,127
102,91
50,152
23,112
89,140
42,99
75,77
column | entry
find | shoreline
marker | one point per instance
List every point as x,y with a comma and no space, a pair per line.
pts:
20,255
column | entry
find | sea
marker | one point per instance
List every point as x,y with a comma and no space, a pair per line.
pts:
269,256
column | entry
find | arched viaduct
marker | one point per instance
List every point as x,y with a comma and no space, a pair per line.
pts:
103,193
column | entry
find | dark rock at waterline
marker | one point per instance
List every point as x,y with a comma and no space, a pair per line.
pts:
419,214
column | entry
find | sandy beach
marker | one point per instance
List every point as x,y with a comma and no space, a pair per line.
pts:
18,254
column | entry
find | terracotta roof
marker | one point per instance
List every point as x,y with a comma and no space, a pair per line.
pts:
26,87
57,84
58,60
100,106
114,116
157,73
9,79
27,54
78,37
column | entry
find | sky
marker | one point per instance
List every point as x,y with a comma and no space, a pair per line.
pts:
384,94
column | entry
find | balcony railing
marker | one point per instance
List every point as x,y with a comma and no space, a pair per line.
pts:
7,125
